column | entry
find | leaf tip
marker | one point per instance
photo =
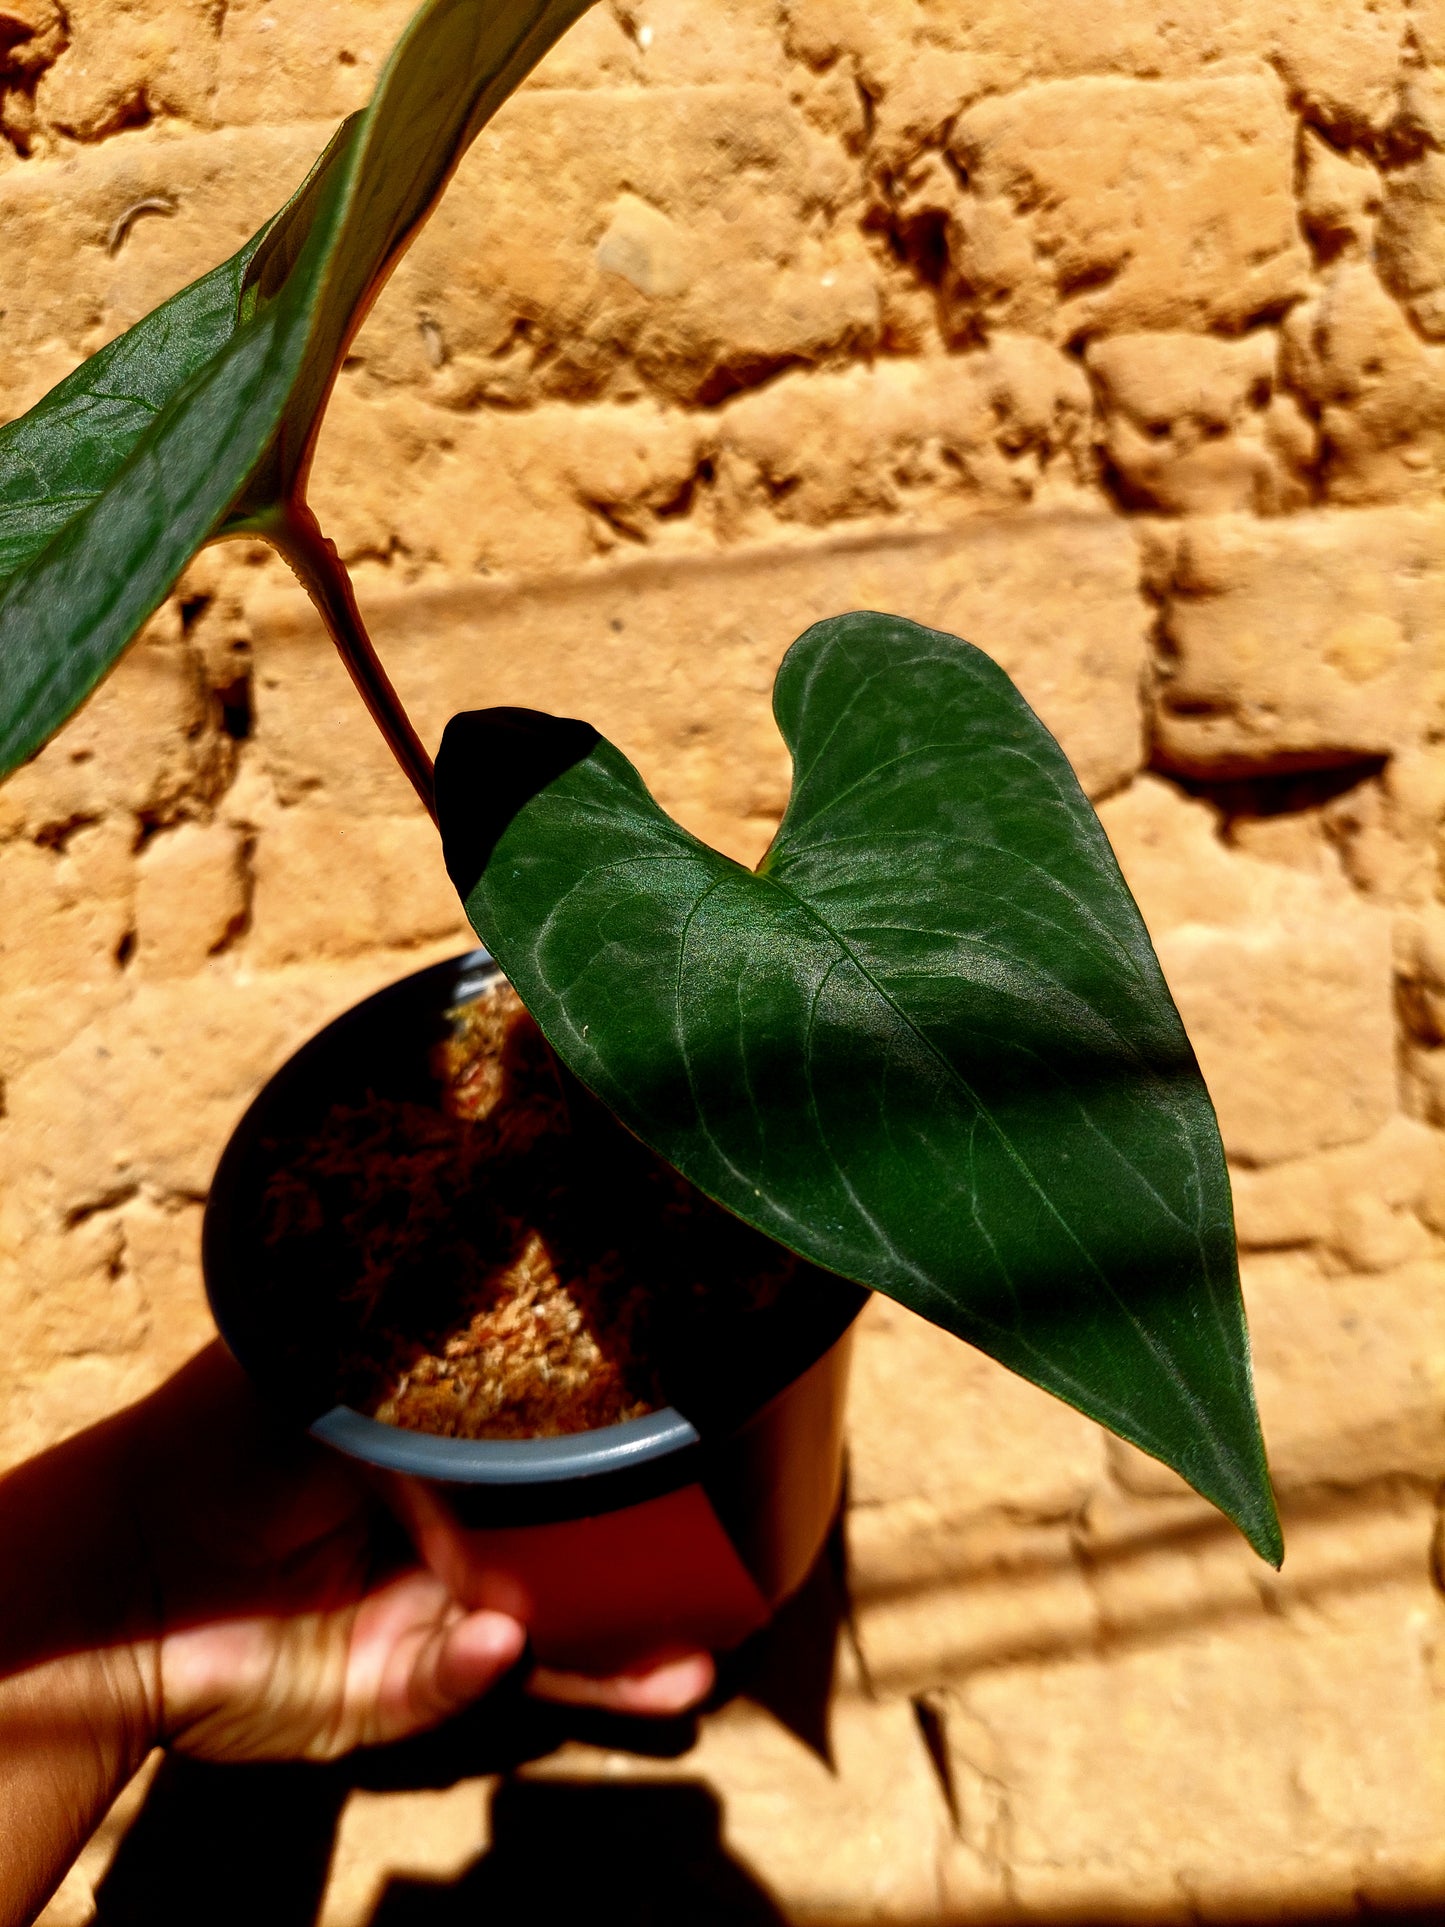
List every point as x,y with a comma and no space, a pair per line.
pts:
1257,1516
1267,1538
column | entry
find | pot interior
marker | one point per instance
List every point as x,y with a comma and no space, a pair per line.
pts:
383,1047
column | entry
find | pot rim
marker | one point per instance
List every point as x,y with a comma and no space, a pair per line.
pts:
576,1455
612,1449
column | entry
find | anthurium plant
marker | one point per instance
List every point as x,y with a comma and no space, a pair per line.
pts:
926,1043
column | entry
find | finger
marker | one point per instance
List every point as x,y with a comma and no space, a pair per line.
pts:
417,1657
670,1688
472,1656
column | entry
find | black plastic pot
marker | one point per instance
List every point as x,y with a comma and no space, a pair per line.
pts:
614,1546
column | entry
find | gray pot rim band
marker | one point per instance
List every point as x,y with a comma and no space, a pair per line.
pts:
509,1462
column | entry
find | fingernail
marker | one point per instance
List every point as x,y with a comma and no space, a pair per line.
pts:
495,1636
680,1682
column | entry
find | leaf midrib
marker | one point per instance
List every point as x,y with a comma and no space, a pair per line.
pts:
981,1110
690,848
1181,1387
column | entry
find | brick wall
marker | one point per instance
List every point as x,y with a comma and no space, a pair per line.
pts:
1108,333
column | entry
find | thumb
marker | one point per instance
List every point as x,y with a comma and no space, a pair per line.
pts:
417,1657
471,1655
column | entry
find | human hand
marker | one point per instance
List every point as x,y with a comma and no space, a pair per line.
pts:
193,1573
278,1635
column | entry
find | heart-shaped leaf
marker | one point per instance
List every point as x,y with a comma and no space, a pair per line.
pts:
201,420
927,1044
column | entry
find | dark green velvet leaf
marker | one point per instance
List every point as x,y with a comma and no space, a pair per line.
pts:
55,460
927,1044
109,489
451,70
202,418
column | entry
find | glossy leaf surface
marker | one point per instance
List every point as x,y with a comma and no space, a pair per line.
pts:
57,459
202,418
132,483
927,1044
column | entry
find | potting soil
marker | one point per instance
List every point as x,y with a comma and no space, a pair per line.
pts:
508,1261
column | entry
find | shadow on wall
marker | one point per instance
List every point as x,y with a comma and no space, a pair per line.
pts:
242,1844
238,1845
235,1845
648,1853
252,1844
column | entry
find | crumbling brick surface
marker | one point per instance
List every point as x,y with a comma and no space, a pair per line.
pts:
1109,336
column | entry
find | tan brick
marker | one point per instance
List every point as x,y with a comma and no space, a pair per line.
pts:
64,917
1292,1025
138,746
192,896
124,64
1362,1202
1239,1769
1411,258
1299,839
1301,643
1427,17
1195,425
1340,197
1350,1371
501,490
1161,1563
1423,1076
123,1282
674,659
68,1394
860,1844
675,43
1384,829
276,63
1178,210
429,1836
556,485
1284,1205
1420,957
512,294
333,885
1177,864
59,215
162,1253
937,1598
37,35
1343,62
999,428
1379,391
1377,829
93,1307
1284,980
1005,1443
96,1313
147,1093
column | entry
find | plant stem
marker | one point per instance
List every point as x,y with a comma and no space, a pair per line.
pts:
297,536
